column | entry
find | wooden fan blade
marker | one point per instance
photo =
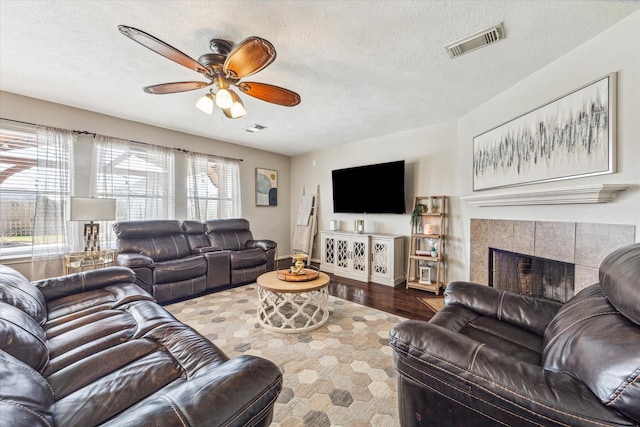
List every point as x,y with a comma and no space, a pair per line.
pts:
270,93
160,47
175,87
249,57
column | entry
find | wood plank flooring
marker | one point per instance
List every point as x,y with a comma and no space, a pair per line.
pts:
396,300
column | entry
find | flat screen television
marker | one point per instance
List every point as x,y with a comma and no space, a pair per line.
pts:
370,189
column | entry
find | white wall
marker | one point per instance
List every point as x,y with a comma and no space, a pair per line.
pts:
266,222
439,158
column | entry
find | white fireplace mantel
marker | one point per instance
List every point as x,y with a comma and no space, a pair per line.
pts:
595,193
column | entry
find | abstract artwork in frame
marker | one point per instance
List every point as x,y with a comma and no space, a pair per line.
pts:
569,137
266,187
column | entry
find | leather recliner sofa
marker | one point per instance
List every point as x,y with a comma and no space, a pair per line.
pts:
93,348
174,259
492,358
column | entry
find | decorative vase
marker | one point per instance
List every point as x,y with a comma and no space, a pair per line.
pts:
430,205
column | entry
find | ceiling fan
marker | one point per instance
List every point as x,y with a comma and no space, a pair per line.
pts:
224,67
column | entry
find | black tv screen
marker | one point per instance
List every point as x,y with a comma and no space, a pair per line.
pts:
371,189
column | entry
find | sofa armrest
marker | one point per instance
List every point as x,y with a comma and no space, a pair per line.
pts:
240,392
206,250
132,260
473,373
58,287
263,244
532,314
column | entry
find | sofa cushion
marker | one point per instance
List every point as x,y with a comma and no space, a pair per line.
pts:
592,341
22,337
17,290
247,258
619,278
26,399
180,269
230,234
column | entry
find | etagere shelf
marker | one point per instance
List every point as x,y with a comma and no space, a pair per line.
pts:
426,269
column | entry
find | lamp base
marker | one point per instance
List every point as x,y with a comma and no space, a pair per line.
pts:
91,237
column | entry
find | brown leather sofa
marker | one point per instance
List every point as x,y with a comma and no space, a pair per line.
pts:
93,348
174,259
492,358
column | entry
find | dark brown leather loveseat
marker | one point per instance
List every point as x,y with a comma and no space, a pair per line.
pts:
93,348
175,259
492,358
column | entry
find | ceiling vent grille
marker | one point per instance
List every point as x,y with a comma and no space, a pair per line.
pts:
475,41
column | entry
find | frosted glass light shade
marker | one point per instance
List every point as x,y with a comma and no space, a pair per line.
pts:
237,108
205,104
224,99
92,209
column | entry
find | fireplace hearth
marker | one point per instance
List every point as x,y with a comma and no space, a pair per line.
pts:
532,276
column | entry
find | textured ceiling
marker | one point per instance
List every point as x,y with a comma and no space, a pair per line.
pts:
362,68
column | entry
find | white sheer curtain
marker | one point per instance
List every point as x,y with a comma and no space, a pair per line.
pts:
139,176
51,231
213,187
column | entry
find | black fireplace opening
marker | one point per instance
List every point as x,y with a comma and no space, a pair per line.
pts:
530,275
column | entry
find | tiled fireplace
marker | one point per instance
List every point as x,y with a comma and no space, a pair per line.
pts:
583,246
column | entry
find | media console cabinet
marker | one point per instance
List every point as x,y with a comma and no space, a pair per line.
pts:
370,257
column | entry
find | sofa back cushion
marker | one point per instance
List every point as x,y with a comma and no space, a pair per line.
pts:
196,235
160,240
229,234
18,291
620,280
22,337
594,342
26,398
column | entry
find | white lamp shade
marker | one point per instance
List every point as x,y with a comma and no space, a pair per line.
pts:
223,98
205,104
92,209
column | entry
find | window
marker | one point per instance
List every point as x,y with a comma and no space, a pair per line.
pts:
213,187
34,189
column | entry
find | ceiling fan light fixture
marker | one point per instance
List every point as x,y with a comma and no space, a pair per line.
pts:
237,108
224,99
205,104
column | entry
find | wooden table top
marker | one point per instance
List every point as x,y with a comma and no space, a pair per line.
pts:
270,282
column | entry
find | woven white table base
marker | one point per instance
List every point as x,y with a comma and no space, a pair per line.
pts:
292,312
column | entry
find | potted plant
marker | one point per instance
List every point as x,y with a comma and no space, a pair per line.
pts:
418,210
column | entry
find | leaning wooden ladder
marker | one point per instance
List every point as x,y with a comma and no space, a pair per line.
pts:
305,231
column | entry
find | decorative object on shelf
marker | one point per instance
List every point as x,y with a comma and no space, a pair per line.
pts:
334,225
266,187
416,213
92,209
569,137
358,226
429,205
425,275
428,228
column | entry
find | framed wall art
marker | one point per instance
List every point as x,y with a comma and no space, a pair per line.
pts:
266,187
569,137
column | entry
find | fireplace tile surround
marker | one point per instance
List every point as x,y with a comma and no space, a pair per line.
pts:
582,244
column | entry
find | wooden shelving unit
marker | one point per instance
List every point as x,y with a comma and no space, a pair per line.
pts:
426,268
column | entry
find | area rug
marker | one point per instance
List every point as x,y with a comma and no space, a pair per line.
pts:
340,374
435,304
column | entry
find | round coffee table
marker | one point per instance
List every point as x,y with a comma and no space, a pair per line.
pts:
292,306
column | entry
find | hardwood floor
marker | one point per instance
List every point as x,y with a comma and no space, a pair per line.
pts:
396,300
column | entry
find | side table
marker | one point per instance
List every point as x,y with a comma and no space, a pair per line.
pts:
292,306
90,260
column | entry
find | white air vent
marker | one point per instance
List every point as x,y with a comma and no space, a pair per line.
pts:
255,128
475,41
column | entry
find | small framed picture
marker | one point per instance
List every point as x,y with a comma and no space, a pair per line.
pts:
266,187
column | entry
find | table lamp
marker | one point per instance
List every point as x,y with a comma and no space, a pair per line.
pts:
92,209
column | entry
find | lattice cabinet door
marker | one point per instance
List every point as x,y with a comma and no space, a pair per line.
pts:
387,259
343,254
328,256
360,255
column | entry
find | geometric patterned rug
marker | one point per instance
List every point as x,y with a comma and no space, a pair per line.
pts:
340,374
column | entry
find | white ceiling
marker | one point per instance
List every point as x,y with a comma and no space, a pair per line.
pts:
362,68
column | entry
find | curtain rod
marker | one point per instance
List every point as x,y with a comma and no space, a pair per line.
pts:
85,132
